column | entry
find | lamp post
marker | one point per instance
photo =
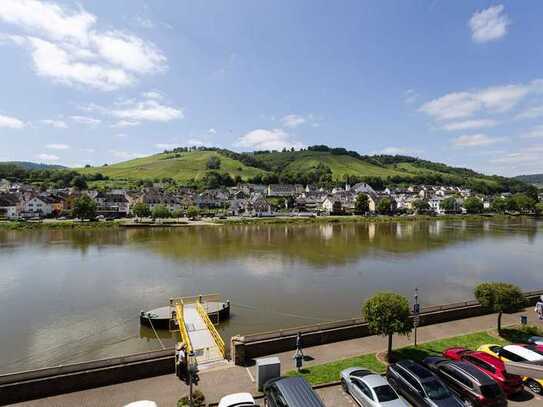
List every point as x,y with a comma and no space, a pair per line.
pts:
416,312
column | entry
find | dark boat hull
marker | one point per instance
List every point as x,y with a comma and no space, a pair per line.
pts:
159,318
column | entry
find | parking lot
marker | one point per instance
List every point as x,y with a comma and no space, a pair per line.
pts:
334,396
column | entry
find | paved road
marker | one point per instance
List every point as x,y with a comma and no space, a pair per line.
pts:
336,397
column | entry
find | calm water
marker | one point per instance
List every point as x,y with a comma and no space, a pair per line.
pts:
75,295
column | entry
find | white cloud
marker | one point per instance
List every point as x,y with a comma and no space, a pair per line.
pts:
125,123
91,121
261,139
147,110
489,24
292,120
495,99
398,151
57,146
470,124
11,122
144,22
475,140
47,157
212,131
67,47
121,135
531,113
59,124
525,160
125,155
166,146
410,96
536,132
153,95
193,142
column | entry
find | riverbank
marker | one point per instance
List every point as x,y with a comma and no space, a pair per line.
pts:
276,220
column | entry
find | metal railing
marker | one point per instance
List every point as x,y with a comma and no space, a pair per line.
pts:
180,316
212,330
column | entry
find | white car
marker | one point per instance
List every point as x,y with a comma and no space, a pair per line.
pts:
238,400
141,403
370,389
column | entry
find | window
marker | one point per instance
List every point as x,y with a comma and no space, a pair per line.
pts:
363,388
481,364
413,382
436,390
513,357
457,376
385,393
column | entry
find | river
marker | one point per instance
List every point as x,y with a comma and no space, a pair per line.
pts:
75,295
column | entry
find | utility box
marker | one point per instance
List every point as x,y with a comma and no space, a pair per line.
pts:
266,369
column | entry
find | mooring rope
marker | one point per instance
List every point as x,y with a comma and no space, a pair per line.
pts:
154,330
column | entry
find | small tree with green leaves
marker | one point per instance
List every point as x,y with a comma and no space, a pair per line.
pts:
500,297
79,182
539,209
421,206
160,212
193,212
388,314
385,206
473,205
362,204
449,204
499,205
84,208
141,210
213,163
198,400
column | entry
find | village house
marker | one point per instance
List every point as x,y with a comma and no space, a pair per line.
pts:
40,206
284,190
9,205
154,199
112,205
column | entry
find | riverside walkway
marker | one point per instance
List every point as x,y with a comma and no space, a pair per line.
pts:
219,381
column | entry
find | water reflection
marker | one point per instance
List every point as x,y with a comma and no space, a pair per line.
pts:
70,295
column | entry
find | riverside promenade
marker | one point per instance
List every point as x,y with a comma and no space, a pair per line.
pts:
215,383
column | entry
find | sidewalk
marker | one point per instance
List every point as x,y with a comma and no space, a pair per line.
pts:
215,383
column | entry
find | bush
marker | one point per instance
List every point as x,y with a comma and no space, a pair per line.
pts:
161,212
500,297
198,400
84,208
141,210
473,205
213,163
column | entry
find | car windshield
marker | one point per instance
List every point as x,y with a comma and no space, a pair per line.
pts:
435,390
490,391
385,393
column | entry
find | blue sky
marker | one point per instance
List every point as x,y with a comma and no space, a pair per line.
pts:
95,82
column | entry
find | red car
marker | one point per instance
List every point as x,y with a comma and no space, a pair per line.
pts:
491,365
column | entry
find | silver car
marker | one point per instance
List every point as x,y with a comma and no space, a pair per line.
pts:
369,389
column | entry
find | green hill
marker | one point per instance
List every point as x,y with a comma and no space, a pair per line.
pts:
27,165
183,166
534,179
316,164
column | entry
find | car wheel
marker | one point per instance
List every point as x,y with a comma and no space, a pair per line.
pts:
534,386
344,386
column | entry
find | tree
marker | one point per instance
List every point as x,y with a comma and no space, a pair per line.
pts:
198,400
213,163
449,204
337,208
362,204
523,203
421,205
499,297
80,183
388,314
473,205
141,210
84,208
539,209
161,212
499,205
385,206
193,212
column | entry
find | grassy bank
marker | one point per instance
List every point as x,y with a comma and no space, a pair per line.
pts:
329,372
56,224
354,219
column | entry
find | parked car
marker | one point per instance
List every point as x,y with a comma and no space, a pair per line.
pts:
369,389
290,392
474,387
489,364
536,340
238,400
420,386
517,353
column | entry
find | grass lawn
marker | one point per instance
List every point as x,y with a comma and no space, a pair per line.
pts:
329,372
